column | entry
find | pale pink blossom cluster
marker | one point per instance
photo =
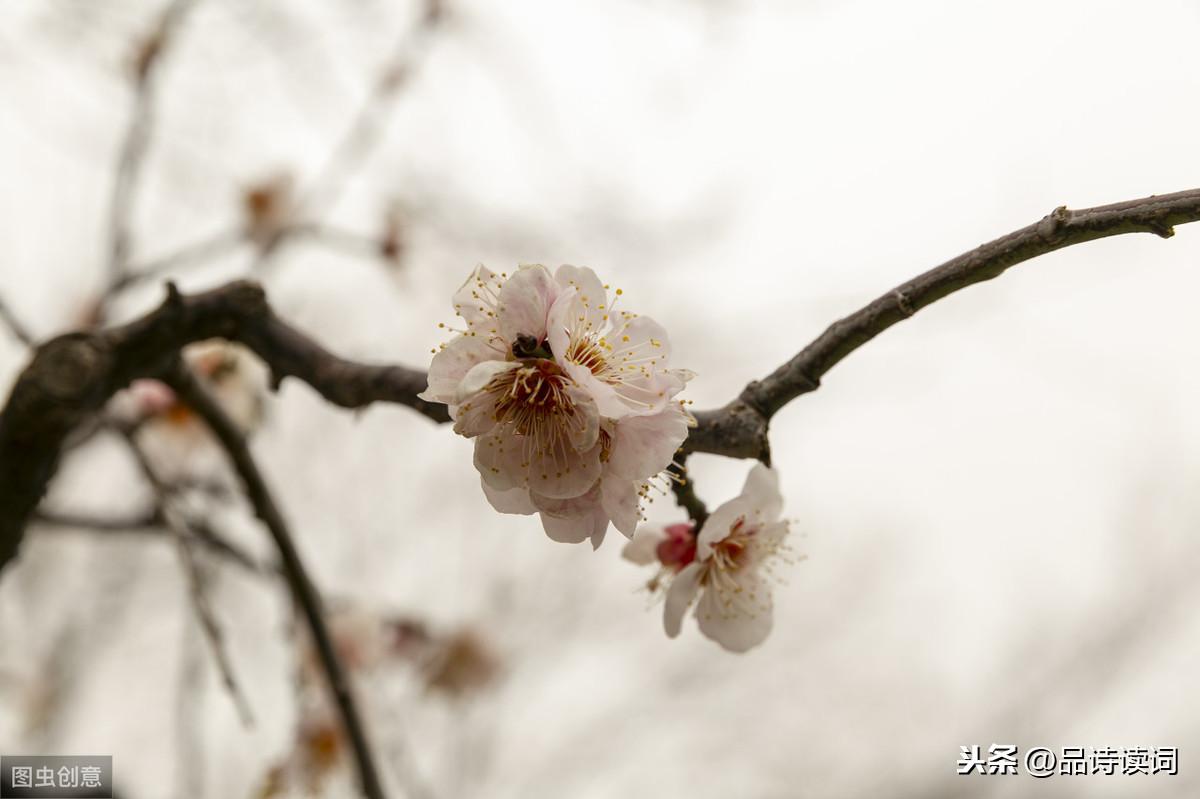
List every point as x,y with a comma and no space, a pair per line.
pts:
728,565
569,398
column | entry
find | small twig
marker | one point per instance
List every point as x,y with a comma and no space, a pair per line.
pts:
137,136
197,588
193,254
685,492
366,128
176,522
19,331
303,591
150,523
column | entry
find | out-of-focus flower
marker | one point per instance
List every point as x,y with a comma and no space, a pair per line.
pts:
235,379
728,564
461,664
570,400
266,208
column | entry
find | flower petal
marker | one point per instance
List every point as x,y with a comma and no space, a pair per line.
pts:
591,297
514,500
643,446
737,622
499,461
476,411
525,301
621,503
679,598
451,364
474,301
573,520
642,549
563,474
719,522
762,493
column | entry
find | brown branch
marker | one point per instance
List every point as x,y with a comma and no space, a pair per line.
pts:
197,580
72,376
149,523
685,492
303,591
740,428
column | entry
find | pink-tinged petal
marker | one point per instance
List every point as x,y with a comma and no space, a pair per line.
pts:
737,622
525,301
514,500
475,299
640,344
567,530
500,462
152,396
475,413
642,549
559,322
451,364
679,598
573,520
621,503
565,473
643,446
719,522
583,427
762,493
607,401
592,296
479,376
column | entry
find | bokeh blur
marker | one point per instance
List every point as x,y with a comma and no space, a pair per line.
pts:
996,498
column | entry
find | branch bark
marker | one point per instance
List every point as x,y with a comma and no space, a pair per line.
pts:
72,376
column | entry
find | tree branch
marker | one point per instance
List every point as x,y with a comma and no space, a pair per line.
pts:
303,591
685,493
740,428
73,375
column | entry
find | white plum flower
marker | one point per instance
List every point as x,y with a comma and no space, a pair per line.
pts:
569,400
728,565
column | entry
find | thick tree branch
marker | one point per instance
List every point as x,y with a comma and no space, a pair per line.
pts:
303,591
72,376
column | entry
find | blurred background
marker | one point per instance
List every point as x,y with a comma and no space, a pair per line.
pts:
996,498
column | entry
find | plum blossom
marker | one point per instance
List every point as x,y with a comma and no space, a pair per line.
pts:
168,428
570,400
728,564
